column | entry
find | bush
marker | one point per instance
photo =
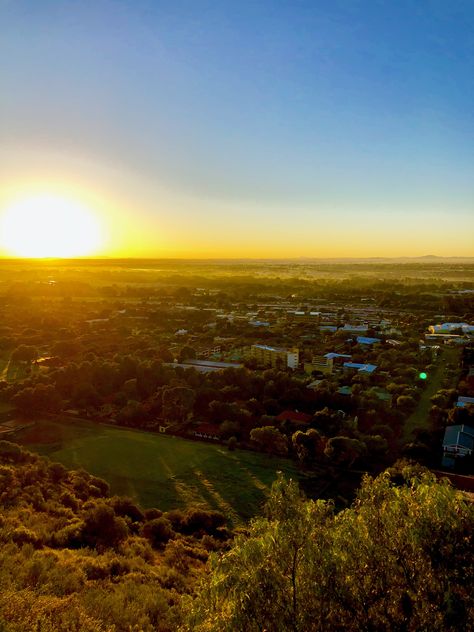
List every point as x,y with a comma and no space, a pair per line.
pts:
176,517
151,514
102,528
158,531
70,537
202,521
22,535
12,453
127,508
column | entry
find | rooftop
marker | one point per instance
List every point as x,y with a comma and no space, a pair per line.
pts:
362,368
362,340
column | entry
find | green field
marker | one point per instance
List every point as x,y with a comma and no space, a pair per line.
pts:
12,371
420,416
161,471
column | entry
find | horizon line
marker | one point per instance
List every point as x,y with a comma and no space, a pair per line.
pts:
302,259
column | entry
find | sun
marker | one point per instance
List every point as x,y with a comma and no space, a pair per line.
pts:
49,226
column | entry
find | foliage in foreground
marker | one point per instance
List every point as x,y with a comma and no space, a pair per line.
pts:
73,558
401,558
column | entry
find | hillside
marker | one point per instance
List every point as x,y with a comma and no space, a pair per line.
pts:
73,558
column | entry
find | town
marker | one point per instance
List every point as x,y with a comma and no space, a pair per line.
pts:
325,373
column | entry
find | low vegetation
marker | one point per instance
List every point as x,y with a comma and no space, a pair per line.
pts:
74,558
401,558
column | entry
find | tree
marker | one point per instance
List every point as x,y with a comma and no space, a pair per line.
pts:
387,563
344,450
187,353
158,531
24,353
308,445
102,528
178,402
406,402
39,399
270,439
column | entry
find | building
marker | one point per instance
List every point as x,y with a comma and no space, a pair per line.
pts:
208,352
464,402
206,366
207,431
277,357
294,417
458,442
364,340
354,329
448,328
360,368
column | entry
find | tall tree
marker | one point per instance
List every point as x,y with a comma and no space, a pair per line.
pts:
400,559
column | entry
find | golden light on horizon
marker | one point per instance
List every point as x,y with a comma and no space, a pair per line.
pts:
44,226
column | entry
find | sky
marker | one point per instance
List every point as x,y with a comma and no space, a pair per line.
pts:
337,128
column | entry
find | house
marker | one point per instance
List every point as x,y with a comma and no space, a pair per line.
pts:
458,442
464,402
207,431
294,416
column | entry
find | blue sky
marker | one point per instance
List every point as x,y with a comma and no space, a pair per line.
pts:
204,123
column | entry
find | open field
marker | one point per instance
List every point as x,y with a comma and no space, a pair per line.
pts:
159,471
12,371
420,416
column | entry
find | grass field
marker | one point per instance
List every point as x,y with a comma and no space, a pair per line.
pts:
161,471
420,416
12,371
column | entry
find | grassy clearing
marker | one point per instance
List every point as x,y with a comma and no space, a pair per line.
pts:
420,416
13,371
161,471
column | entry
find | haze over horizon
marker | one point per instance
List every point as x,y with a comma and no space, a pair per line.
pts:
241,130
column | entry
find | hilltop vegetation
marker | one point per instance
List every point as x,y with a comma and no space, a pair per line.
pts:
74,558
401,558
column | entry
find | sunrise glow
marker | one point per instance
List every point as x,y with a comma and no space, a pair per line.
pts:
49,226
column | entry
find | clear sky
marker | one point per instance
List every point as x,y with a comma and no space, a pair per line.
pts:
247,128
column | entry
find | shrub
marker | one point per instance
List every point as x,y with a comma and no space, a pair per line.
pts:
151,514
127,508
22,535
202,521
102,528
158,531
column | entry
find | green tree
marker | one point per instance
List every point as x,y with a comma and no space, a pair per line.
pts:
270,439
399,559
178,402
344,450
24,353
